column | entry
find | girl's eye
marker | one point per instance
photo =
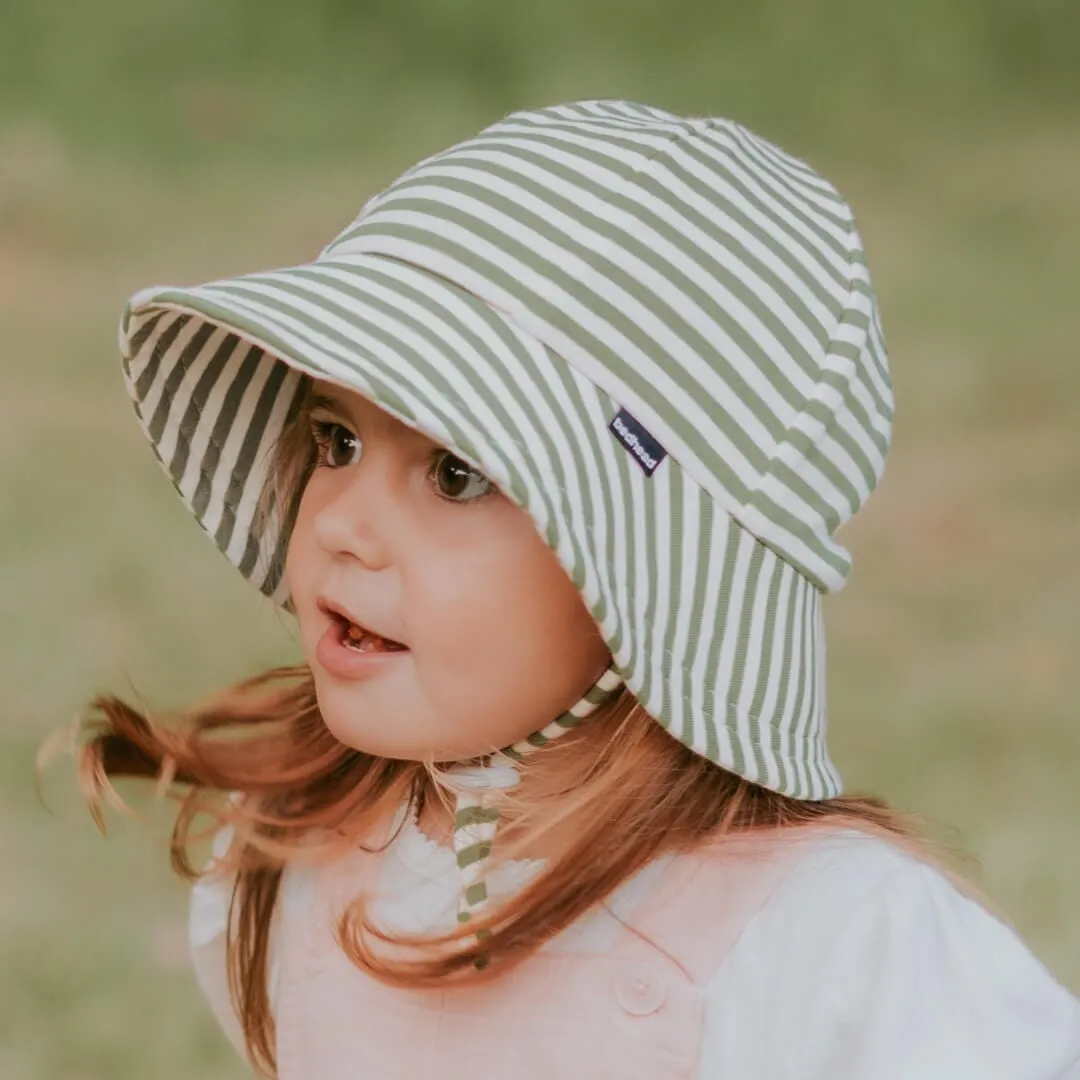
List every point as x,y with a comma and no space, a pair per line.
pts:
453,479
335,445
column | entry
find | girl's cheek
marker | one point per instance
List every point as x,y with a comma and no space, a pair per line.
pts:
463,607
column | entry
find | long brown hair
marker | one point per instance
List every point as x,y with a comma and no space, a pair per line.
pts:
258,756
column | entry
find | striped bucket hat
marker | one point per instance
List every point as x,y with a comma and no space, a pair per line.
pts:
655,333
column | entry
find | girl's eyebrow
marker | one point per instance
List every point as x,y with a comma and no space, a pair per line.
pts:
323,401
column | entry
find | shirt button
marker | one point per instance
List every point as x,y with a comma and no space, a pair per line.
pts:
640,990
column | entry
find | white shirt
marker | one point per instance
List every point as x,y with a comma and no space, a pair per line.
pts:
865,964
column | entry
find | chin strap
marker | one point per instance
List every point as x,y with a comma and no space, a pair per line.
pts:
476,787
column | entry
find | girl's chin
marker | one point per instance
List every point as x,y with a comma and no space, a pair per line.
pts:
373,731
372,739
369,737
375,720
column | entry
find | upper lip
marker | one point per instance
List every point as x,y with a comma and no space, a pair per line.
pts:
332,607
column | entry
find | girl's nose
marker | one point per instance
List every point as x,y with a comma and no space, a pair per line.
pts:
359,519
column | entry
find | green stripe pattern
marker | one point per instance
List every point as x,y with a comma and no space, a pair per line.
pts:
508,296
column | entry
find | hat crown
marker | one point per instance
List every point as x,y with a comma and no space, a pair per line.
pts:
713,284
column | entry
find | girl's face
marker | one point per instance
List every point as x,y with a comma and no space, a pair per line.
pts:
415,546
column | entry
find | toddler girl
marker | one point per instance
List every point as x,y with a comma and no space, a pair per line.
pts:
546,454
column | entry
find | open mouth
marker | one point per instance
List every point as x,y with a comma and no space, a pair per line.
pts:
359,638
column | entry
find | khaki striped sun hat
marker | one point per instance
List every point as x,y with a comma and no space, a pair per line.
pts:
656,334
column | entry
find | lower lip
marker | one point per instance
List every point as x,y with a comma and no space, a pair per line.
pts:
346,663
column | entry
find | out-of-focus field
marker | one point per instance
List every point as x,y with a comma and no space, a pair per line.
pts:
133,152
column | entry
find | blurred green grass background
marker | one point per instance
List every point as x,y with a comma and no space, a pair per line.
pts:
173,141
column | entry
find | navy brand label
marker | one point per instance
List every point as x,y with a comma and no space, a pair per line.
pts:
644,449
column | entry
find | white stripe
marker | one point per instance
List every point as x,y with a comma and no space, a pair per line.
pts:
788,717
656,559
742,608
607,141
794,711
712,572
818,744
610,680
750,730
807,720
874,369
774,665
681,601
734,618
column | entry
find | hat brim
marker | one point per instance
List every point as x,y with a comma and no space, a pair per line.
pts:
215,371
